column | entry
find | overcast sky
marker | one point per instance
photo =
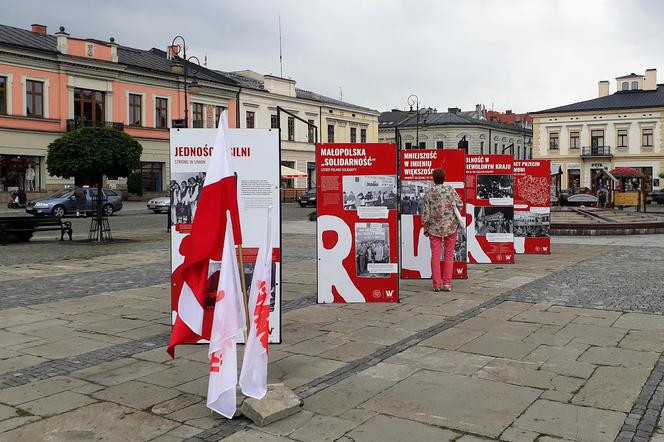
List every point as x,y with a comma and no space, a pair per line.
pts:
524,55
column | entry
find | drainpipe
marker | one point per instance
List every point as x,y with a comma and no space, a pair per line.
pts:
237,108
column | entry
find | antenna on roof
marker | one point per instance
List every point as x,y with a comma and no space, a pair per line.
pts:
205,60
341,94
281,58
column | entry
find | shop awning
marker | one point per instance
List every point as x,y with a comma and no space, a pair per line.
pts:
626,172
290,173
556,169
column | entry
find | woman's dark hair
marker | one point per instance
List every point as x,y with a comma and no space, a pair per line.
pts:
438,176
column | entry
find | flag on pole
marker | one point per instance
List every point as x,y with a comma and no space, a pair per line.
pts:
253,379
205,241
227,325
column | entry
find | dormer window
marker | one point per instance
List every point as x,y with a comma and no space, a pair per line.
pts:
635,85
625,86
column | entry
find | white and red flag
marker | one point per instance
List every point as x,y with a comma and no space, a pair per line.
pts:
205,242
253,379
228,323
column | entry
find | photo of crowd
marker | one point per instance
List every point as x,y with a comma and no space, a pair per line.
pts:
532,225
372,190
372,245
412,197
493,220
185,189
461,246
495,186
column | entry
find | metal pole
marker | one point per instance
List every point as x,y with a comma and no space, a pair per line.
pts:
245,298
184,63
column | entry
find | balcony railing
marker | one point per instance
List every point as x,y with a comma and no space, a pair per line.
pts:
596,151
78,123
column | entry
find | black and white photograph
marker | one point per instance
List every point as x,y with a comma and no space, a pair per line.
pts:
495,186
531,225
493,220
249,274
185,190
372,246
369,191
461,246
412,197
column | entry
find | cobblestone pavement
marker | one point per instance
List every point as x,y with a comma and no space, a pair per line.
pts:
489,361
628,279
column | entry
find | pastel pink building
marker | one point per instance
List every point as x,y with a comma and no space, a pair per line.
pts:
53,83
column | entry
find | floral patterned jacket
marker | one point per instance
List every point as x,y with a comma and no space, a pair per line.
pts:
438,218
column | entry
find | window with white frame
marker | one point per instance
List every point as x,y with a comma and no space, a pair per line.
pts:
647,137
553,140
622,138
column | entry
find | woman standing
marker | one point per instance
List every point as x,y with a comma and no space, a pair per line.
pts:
440,225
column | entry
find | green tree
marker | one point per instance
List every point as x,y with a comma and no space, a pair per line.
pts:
90,153
135,183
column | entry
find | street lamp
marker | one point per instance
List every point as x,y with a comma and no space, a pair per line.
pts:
413,100
183,68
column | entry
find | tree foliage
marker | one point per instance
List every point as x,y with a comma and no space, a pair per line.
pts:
135,184
93,152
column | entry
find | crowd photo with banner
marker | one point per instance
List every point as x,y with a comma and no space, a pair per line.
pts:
490,208
357,222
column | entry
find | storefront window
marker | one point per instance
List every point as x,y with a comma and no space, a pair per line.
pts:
573,179
152,176
19,172
288,183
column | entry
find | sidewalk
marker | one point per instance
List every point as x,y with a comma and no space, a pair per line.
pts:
493,360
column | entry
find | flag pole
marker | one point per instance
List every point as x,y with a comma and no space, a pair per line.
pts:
245,298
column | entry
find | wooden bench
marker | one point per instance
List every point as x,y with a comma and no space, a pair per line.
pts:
21,228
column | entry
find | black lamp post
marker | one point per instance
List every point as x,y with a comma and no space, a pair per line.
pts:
183,68
413,100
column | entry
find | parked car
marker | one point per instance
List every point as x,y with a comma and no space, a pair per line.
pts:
582,199
656,196
162,203
308,198
63,203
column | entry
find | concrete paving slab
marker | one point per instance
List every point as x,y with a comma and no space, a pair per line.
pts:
453,362
393,429
593,334
545,317
323,428
513,434
253,436
456,402
105,421
622,357
177,403
573,422
63,347
499,347
38,389
347,394
350,351
19,362
640,321
612,388
501,371
499,327
118,372
135,394
286,426
297,370
56,404
379,335
170,377
452,338
643,341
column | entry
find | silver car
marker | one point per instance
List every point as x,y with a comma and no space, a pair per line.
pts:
63,203
160,204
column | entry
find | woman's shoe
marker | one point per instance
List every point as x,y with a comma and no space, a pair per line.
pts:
446,288
437,289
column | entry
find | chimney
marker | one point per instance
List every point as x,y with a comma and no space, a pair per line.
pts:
62,40
172,51
114,50
39,29
453,110
508,112
603,88
650,80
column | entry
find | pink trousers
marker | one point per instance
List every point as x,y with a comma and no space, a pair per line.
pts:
436,244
